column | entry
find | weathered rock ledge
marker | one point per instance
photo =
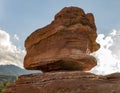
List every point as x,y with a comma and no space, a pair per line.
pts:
66,82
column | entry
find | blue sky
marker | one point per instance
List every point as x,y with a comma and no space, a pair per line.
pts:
22,17
19,18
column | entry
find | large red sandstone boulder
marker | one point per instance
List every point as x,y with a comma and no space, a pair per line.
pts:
65,44
69,39
66,82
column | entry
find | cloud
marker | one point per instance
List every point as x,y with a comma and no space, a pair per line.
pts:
9,53
108,55
16,37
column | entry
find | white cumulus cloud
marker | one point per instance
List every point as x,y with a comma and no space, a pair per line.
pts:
16,37
9,53
108,55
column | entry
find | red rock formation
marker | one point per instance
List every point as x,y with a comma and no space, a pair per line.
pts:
66,82
69,39
64,46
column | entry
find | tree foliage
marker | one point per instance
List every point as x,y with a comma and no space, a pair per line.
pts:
3,85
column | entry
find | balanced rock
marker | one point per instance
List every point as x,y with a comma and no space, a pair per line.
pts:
65,44
66,82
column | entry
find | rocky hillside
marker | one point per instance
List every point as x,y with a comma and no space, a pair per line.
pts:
12,70
10,73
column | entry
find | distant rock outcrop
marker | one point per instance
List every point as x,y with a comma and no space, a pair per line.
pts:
12,70
62,50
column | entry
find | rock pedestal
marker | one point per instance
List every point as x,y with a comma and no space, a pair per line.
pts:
66,82
61,50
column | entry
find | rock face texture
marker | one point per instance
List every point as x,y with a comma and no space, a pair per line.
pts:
62,50
69,39
66,82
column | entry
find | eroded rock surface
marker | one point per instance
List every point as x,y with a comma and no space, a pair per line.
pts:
66,82
65,44
62,50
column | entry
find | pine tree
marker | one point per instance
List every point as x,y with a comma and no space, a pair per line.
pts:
2,87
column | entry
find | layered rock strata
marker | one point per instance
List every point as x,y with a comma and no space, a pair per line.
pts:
66,82
65,44
62,50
